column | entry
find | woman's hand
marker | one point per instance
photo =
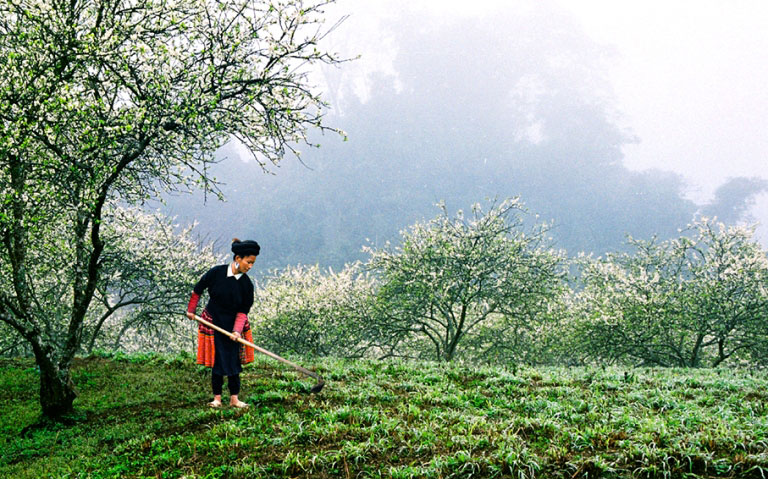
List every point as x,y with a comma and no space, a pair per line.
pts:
191,316
235,336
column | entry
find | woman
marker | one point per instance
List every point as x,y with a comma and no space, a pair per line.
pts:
231,297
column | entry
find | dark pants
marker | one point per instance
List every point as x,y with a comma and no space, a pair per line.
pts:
233,383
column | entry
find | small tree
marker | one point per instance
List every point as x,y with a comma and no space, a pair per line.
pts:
630,306
453,275
728,290
304,311
695,300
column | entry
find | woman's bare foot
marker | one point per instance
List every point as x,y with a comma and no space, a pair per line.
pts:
235,402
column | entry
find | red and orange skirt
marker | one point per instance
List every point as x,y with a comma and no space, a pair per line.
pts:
206,351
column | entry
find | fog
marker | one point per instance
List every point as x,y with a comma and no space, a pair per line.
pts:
689,78
606,120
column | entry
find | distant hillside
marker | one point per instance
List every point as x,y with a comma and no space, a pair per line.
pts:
458,122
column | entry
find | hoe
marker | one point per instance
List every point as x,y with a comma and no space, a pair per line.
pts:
315,389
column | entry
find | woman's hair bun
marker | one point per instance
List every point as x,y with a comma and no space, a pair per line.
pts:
245,248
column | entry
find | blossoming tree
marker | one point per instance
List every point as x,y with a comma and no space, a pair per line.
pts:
106,100
303,310
695,300
455,277
148,265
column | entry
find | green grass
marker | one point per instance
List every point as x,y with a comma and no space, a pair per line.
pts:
145,416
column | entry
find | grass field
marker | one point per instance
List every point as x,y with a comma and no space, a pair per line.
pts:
145,416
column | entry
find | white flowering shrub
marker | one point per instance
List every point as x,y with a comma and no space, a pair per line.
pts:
146,275
696,300
457,280
303,310
146,280
626,308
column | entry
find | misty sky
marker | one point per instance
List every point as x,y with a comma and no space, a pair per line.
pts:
688,78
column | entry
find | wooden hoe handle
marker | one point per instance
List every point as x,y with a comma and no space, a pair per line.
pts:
272,355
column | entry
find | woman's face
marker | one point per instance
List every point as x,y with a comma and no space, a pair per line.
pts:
245,262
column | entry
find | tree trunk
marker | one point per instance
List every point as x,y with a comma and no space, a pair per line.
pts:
57,391
453,338
721,356
696,352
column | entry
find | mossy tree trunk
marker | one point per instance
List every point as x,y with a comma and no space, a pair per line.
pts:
57,391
